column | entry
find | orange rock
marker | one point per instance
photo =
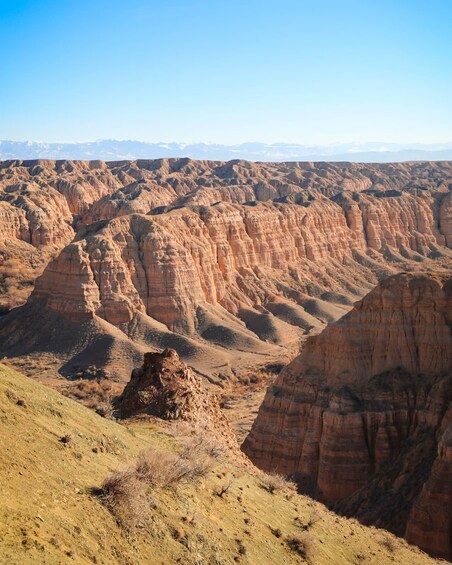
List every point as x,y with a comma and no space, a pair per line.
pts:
356,415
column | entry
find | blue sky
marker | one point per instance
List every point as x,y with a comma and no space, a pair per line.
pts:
226,71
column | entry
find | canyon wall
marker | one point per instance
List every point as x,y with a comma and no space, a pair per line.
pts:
44,203
362,416
171,265
146,251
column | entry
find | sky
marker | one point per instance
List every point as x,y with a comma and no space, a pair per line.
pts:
226,71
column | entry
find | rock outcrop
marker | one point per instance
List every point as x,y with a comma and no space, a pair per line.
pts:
362,415
166,388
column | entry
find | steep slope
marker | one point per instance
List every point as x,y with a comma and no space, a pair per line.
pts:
43,203
361,414
214,281
62,452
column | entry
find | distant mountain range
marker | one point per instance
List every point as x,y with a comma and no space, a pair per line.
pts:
112,150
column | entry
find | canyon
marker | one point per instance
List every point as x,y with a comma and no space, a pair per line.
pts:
341,270
229,263
362,417
43,203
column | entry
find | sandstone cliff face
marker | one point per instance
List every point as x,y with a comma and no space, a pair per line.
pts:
357,415
430,521
87,191
171,265
43,203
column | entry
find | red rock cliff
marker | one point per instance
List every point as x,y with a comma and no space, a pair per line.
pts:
358,414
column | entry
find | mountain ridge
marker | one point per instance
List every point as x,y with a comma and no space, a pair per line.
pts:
113,150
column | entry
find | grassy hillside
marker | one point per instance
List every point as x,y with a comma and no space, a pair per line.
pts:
55,453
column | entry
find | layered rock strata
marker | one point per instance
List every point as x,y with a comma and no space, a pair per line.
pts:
43,203
362,415
170,265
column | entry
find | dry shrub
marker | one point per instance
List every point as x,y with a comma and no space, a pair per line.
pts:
95,394
313,517
125,493
273,482
125,496
302,544
161,469
201,446
388,543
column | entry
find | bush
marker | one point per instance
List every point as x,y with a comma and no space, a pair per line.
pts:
162,469
274,482
301,544
125,493
388,543
125,496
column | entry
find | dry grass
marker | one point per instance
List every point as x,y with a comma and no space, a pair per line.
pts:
388,543
164,469
126,493
302,545
96,394
273,482
125,496
62,522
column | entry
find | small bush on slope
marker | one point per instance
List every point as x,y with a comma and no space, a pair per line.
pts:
125,494
274,482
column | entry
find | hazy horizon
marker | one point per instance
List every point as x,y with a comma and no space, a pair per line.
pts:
115,150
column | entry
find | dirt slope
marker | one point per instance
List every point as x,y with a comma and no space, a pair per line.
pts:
53,452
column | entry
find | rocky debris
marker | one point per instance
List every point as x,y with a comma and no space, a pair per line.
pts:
164,387
361,415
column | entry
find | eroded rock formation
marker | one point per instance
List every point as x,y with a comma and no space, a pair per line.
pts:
166,388
172,264
43,203
361,415
249,278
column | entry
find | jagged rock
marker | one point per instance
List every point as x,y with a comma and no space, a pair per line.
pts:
358,414
165,387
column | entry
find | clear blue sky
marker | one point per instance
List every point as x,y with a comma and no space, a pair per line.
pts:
226,71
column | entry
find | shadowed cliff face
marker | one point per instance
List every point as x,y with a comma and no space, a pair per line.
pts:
241,279
362,415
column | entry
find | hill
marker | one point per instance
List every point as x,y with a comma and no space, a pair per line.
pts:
55,455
